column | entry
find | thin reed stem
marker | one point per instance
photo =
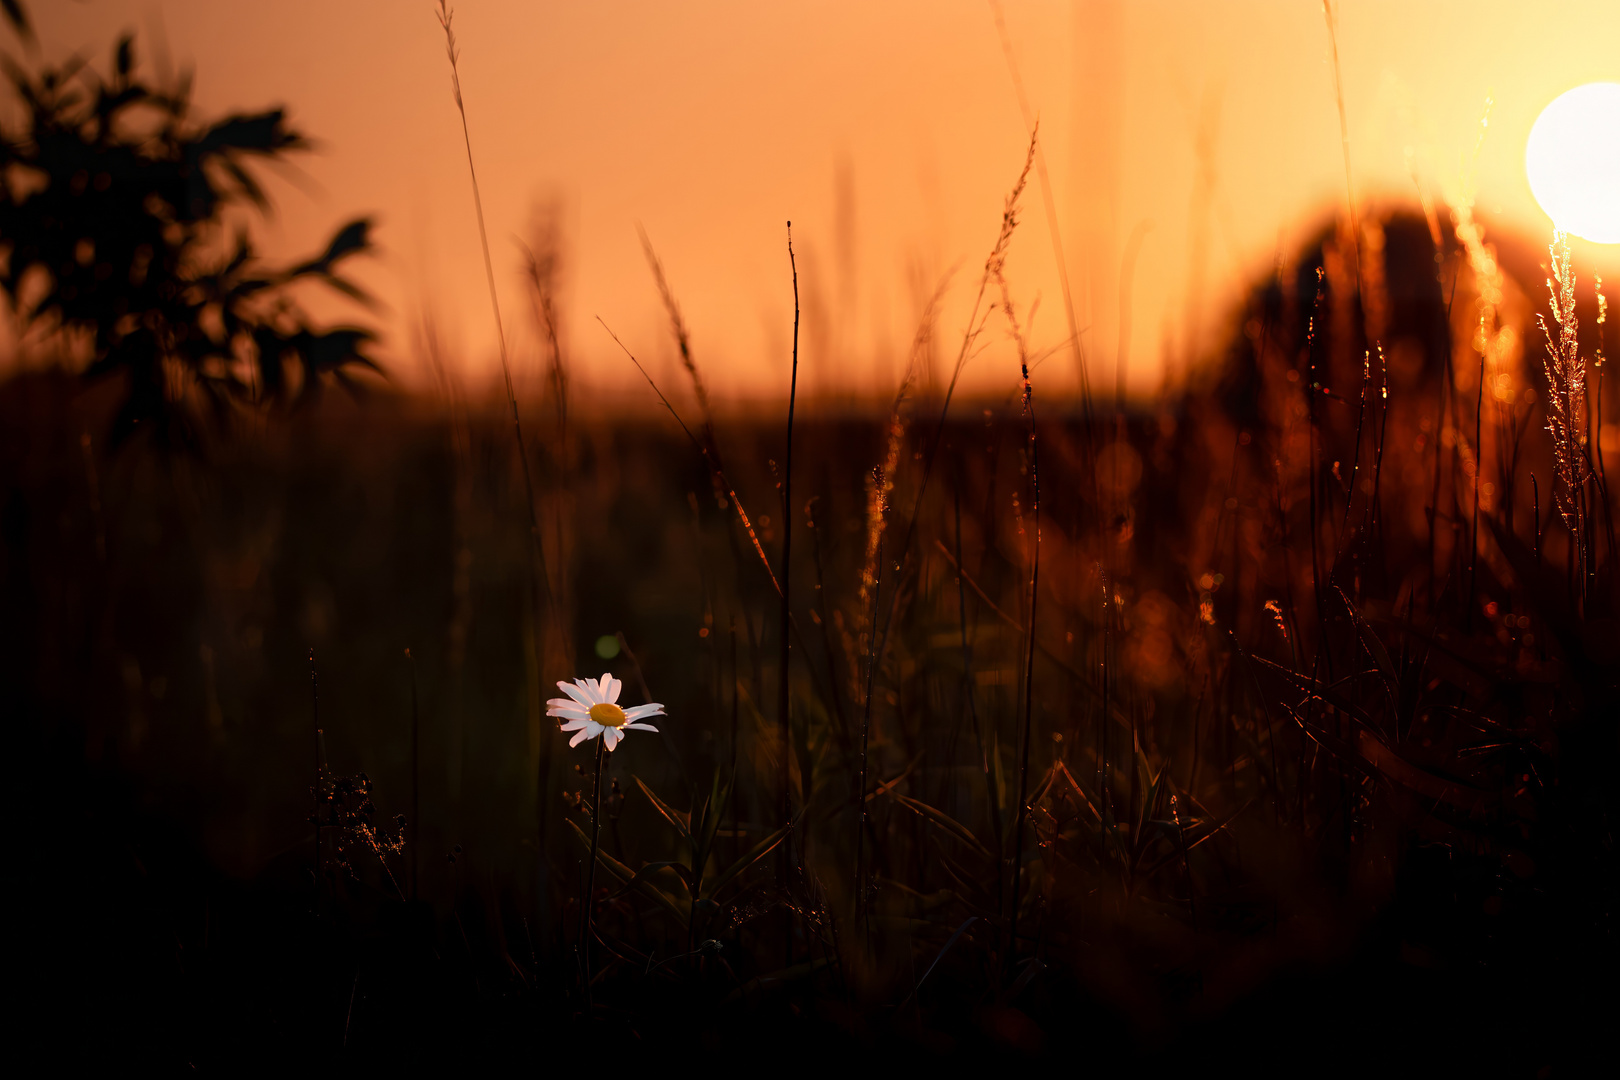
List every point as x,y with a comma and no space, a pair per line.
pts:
1034,595
541,270
975,325
320,779
1355,465
784,635
866,704
967,651
710,458
1535,510
416,781
1473,528
1104,780
731,789
1029,670
1375,522
1313,468
1344,134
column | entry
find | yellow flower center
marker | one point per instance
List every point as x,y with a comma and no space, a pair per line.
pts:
607,715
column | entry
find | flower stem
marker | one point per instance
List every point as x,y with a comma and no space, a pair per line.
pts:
590,876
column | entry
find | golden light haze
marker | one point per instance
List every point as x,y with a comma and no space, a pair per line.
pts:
888,132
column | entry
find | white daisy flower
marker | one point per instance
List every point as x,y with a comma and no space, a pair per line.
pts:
591,709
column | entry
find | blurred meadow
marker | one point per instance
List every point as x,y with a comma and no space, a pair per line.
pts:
1253,706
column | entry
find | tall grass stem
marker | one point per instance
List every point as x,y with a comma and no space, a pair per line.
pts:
543,574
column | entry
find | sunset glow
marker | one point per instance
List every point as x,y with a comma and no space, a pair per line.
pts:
885,132
1096,513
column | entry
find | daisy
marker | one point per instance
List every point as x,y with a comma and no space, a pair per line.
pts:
591,709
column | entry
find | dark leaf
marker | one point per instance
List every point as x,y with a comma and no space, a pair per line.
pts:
705,833
945,821
647,871
261,133
749,858
352,291
17,16
626,875
353,237
673,816
777,978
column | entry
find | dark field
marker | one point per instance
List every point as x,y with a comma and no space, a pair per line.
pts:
1367,819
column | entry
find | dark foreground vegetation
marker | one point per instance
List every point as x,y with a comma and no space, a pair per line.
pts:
1272,726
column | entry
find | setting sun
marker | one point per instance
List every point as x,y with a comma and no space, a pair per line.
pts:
1573,161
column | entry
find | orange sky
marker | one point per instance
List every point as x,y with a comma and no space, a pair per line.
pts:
888,131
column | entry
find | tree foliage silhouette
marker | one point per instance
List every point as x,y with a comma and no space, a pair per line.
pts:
121,237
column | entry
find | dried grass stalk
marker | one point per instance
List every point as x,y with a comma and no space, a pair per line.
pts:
1566,383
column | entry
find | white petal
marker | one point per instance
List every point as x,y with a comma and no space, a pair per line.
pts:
638,711
593,693
575,725
575,693
614,686
580,736
611,736
564,707
639,727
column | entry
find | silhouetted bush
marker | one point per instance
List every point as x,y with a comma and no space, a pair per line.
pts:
119,246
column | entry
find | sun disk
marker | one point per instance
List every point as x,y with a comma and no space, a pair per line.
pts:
1572,160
